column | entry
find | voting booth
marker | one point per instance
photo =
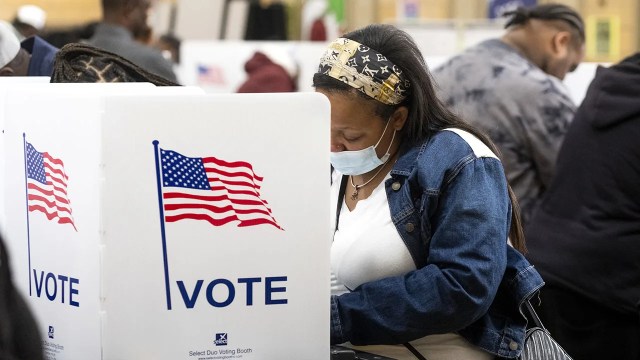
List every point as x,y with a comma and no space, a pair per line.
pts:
169,224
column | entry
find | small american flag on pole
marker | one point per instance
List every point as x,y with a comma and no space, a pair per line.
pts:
47,186
212,190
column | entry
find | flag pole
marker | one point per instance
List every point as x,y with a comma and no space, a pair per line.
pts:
26,195
164,237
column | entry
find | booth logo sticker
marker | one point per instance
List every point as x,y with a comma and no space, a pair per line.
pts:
221,339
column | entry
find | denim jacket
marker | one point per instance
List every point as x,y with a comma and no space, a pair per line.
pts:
449,202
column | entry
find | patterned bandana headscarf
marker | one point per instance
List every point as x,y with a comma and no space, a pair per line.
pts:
366,70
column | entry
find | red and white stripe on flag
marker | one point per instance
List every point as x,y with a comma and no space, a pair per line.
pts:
47,186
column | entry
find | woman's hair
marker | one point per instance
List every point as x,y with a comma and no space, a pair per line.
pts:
427,114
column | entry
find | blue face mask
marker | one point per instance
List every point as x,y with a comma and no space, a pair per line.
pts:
360,162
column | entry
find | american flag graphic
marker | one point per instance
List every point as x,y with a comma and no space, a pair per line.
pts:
210,75
212,190
47,186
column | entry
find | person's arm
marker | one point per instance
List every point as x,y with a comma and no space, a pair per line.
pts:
467,259
546,121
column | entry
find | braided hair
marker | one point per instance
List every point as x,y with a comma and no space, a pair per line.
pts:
548,12
82,63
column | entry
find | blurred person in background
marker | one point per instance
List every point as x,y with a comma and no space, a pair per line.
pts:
169,45
585,237
511,88
123,21
270,69
32,57
29,21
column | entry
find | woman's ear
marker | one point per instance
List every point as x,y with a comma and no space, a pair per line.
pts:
399,117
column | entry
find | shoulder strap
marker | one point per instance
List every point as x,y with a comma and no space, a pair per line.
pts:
533,314
414,351
343,188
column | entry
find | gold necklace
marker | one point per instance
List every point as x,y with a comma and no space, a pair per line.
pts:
356,188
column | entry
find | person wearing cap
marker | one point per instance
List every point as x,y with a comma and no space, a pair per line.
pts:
29,21
511,88
122,20
33,57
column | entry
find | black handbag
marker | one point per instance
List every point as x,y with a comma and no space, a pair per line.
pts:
538,343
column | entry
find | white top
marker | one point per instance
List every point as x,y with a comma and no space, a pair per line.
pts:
367,246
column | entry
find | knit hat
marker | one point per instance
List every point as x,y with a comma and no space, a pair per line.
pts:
32,15
9,44
82,63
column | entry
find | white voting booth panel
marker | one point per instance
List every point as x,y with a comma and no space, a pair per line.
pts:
218,66
49,272
6,83
121,280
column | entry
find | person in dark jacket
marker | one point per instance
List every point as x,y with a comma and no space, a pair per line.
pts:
43,56
585,238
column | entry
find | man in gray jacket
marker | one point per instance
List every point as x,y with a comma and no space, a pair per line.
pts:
511,89
121,21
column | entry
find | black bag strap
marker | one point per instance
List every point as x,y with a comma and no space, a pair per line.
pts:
343,188
414,351
533,314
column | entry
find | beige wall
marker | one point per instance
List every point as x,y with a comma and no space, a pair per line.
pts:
429,9
623,14
60,13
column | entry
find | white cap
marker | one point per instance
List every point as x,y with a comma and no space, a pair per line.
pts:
32,15
9,44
